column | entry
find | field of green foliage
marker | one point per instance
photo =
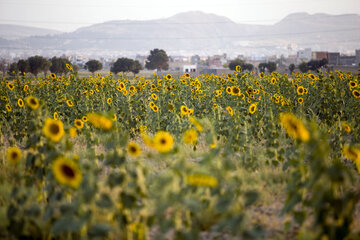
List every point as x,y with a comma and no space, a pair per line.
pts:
237,156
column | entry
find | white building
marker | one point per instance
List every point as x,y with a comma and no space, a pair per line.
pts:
304,55
189,68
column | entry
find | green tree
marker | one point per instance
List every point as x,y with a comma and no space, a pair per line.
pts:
236,62
244,66
158,59
58,65
303,67
271,66
13,70
93,66
262,67
38,64
23,66
122,65
291,67
136,67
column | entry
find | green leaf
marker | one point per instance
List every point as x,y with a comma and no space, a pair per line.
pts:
99,230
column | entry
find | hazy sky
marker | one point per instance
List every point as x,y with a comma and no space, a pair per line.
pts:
67,15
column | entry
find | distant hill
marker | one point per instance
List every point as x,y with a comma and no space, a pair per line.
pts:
198,32
11,32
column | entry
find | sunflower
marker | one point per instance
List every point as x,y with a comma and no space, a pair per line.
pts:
133,149
183,110
78,123
230,110
56,116
155,108
26,87
215,105
32,102
187,75
4,98
300,100
109,101
151,104
72,132
351,153
196,123
66,172
99,121
163,141
53,129
13,155
11,86
154,96
201,180
352,84
252,108
132,88
8,107
69,103
356,93
190,137
300,90
238,68
124,92
294,127
114,118
168,77
261,75
346,127
53,76
84,119
69,67
228,90
235,90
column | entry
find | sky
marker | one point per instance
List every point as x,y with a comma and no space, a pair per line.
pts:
68,15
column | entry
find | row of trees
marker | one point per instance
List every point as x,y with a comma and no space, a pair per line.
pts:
313,65
38,64
158,59
238,62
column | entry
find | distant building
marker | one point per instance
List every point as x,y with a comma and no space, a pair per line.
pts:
347,60
195,59
319,55
357,56
304,55
334,58
189,68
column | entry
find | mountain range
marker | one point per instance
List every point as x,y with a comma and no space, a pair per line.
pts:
194,32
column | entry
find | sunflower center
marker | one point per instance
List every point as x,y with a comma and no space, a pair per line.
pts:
68,171
132,149
32,101
54,129
14,155
163,141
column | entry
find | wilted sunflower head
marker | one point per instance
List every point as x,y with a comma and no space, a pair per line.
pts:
13,155
53,129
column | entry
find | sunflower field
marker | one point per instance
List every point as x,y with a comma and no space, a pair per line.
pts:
236,156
